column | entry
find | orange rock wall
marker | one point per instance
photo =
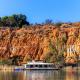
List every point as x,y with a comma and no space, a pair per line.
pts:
34,41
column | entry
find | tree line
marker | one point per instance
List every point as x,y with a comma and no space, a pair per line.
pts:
18,20
15,20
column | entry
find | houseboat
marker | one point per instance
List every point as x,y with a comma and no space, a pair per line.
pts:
40,65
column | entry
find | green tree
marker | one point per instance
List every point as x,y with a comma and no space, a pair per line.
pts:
20,20
56,53
15,60
11,21
0,22
52,55
4,21
17,20
48,21
58,24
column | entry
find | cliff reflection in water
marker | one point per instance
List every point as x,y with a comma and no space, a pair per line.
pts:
41,75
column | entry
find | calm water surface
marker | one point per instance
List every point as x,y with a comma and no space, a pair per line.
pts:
66,74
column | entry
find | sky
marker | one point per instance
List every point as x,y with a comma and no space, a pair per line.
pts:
38,11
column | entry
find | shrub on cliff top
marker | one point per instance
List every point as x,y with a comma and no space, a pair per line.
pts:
58,24
17,20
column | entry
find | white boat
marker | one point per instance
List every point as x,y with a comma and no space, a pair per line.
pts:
39,65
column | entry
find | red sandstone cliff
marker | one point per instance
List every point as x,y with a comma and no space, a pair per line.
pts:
33,42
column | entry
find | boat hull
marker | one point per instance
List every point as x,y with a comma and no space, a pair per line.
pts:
41,68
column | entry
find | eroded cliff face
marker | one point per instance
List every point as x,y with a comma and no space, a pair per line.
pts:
34,42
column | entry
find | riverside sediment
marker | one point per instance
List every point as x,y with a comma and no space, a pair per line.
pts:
10,68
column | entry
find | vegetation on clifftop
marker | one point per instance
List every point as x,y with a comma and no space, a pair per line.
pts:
16,20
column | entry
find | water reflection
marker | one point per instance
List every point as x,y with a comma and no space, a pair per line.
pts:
41,75
72,74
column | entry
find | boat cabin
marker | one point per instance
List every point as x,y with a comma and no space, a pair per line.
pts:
40,65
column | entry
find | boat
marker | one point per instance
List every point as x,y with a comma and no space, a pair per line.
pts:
40,65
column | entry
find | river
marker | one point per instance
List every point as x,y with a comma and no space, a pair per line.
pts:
64,74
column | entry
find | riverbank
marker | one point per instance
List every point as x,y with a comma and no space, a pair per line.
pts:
12,68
